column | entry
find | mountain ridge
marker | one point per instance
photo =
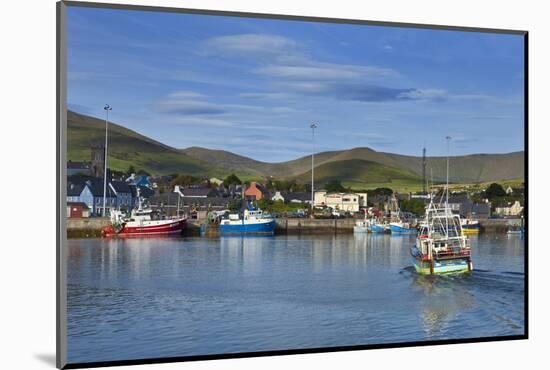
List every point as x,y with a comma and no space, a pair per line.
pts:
128,147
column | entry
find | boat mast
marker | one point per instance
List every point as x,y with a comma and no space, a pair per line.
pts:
447,188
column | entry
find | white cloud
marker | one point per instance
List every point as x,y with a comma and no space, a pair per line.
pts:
248,44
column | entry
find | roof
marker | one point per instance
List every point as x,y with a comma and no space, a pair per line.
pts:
459,198
481,208
121,187
171,199
299,195
198,192
74,190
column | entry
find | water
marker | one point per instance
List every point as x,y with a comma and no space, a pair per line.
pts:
147,298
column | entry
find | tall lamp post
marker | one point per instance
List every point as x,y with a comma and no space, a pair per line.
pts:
107,108
313,126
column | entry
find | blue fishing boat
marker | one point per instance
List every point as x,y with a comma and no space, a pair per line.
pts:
251,221
379,228
401,227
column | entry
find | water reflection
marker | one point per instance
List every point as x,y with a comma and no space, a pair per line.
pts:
189,296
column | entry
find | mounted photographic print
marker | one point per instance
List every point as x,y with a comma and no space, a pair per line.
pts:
235,184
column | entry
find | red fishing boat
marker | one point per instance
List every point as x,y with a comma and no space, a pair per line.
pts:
143,222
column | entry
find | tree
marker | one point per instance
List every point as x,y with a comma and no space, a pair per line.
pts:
232,180
131,170
334,186
494,191
380,191
415,206
185,180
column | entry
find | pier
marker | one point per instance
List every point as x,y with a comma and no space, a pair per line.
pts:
91,227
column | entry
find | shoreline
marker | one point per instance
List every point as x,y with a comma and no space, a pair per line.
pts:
85,228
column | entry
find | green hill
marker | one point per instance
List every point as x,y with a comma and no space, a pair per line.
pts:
361,174
356,167
127,147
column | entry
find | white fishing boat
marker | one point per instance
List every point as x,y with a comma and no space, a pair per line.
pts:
441,245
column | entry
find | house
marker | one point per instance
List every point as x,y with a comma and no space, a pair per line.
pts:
513,209
292,197
215,181
77,210
460,204
509,190
90,192
278,197
123,194
480,211
347,202
256,192
298,197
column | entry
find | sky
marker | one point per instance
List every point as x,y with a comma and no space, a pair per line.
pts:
254,86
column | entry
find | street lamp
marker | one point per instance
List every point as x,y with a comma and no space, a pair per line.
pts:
448,152
107,108
313,126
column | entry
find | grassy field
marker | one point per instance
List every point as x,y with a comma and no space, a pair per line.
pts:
358,168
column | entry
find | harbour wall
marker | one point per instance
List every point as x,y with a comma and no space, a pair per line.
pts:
86,227
90,227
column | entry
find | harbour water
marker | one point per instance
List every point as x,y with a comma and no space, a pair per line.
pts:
148,298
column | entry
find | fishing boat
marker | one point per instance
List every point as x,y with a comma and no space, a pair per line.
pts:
470,226
363,226
400,227
251,220
441,245
380,227
143,222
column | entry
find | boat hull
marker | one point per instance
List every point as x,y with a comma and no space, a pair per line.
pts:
165,227
454,266
401,230
247,228
360,229
376,228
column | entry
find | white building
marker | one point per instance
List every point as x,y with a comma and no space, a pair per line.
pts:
346,202
277,196
511,210
215,180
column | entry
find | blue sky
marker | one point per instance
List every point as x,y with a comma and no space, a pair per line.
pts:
253,86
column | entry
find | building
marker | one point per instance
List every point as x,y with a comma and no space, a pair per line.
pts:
198,192
215,181
460,204
90,192
98,160
480,211
292,197
346,202
77,210
278,197
256,192
123,193
513,209
509,190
